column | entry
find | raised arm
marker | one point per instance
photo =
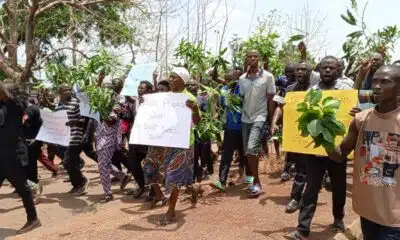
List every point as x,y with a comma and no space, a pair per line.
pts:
340,153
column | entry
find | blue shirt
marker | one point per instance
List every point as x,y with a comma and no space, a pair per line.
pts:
233,118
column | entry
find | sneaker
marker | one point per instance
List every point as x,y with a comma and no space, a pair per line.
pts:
338,226
29,226
125,181
248,180
82,190
285,176
220,186
296,236
292,206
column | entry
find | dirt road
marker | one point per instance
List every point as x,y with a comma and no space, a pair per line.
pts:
229,215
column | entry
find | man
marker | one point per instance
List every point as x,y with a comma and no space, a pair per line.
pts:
12,106
367,71
202,146
290,70
317,166
257,88
71,153
343,77
375,188
232,136
137,153
302,73
31,124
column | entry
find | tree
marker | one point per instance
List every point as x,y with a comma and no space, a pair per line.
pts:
35,24
362,42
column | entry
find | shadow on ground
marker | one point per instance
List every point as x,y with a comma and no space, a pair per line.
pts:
7,232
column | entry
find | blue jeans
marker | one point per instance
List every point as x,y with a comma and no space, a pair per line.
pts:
374,231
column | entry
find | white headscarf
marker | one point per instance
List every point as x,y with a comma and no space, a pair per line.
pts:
182,73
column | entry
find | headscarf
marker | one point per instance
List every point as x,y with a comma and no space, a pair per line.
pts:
182,73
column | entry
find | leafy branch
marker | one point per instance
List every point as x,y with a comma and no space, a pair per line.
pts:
318,119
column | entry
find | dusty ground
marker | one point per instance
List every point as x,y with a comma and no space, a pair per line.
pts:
229,215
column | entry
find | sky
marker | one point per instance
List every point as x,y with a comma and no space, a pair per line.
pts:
333,29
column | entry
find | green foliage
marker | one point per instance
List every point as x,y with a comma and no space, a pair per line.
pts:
361,42
318,119
210,126
193,55
86,76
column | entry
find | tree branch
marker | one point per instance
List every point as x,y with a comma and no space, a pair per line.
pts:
73,3
58,50
30,48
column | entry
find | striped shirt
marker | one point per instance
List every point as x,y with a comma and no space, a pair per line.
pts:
74,114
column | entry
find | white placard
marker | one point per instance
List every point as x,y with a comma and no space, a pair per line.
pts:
53,129
84,107
163,119
138,73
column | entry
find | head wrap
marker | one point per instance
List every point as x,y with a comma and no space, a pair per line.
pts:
182,73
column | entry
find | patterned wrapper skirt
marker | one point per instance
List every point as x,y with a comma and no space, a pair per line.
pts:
169,166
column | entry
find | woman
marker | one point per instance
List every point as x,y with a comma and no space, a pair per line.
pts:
174,166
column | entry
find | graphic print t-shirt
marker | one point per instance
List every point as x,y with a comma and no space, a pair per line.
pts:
376,192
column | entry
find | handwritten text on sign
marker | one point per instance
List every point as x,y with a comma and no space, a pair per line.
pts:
53,129
163,119
292,141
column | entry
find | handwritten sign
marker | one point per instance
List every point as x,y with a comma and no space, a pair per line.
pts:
84,107
162,120
292,141
53,129
138,73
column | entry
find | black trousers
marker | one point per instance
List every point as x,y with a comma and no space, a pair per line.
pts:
120,157
316,167
88,149
51,151
136,154
299,182
12,170
232,141
202,153
34,150
374,231
72,162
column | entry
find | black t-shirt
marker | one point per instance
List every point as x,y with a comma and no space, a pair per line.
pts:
33,122
10,128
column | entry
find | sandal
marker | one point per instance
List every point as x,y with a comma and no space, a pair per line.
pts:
165,220
255,190
106,198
